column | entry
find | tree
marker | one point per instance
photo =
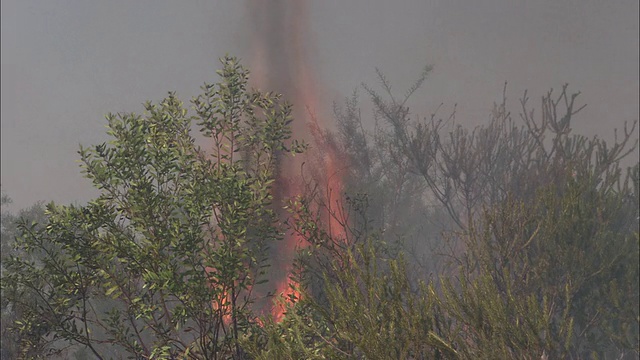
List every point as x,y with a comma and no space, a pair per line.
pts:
546,261
555,275
9,230
165,262
174,244
547,222
381,181
370,311
538,281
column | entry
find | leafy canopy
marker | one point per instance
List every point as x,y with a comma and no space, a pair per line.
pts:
164,262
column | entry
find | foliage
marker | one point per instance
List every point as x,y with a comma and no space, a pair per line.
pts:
547,247
175,242
370,312
34,214
466,170
302,334
555,277
543,261
564,264
548,225
380,181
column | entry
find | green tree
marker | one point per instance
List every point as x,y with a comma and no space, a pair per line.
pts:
174,244
9,230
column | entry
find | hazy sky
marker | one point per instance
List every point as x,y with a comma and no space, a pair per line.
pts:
67,63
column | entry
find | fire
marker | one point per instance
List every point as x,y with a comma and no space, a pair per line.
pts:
280,62
222,302
286,289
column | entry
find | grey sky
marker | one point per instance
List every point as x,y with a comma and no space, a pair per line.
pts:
67,63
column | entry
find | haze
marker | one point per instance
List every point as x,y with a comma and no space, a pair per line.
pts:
67,63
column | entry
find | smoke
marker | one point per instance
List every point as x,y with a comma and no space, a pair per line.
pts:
280,44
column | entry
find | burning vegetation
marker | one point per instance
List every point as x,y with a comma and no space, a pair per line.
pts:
419,240
279,46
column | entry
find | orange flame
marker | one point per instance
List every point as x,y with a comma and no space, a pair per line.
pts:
280,62
222,302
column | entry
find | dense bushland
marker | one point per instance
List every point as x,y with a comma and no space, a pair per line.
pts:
515,239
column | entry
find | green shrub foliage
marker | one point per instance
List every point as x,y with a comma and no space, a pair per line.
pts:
162,263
